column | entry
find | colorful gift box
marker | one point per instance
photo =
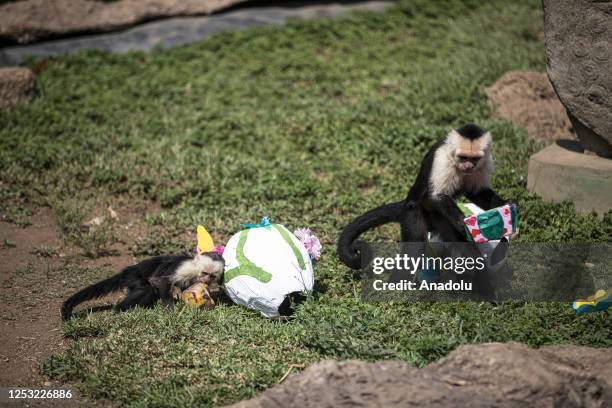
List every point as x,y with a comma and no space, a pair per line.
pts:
600,301
493,224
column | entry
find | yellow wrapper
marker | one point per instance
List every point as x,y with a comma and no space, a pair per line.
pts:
197,295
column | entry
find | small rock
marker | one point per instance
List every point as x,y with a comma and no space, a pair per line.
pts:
558,173
16,85
95,221
112,213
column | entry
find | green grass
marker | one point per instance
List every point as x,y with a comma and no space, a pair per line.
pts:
71,213
7,243
311,123
44,251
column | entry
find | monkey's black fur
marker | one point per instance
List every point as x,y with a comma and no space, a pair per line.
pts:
471,131
349,248
420,211
146,282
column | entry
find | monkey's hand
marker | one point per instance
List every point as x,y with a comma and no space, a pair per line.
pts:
175,292
514,235
486,198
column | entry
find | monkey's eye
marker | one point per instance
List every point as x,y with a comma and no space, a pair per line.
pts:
462,158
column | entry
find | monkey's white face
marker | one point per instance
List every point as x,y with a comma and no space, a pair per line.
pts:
467,164
469,155
199,267
461,163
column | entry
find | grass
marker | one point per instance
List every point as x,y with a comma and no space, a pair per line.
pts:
45,251
94,239
311,123
7,243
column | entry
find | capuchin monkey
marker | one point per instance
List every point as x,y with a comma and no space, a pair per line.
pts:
153,279
460,164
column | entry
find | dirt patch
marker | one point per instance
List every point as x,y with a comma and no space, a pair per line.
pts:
31,328
38,270
477,375
30,20
527,99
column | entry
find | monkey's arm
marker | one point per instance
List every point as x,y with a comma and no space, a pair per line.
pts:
413,225
446,207
486,198
165,290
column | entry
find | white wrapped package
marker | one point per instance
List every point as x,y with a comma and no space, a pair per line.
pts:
265,264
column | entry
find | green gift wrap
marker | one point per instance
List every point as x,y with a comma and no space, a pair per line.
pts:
491,225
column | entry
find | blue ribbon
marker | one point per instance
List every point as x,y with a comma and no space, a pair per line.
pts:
265,222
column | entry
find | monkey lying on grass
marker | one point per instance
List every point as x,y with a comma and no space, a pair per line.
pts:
157,278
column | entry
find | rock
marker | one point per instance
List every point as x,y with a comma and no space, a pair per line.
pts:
527,99
16,85
30,20
564,172
476,375
112,213
578,36
94,222
174,31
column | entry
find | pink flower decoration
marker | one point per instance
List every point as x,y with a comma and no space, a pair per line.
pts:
310,241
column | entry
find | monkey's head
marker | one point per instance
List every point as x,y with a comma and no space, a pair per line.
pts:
470,148
211,265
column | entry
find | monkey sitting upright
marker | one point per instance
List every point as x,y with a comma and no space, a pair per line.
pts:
153,279
460,164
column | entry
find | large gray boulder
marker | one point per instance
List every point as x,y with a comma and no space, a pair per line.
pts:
25,21
477,375
578,35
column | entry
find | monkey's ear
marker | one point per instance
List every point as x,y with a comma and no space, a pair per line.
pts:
486,141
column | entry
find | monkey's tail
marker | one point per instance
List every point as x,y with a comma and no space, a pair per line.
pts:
350,250
112,284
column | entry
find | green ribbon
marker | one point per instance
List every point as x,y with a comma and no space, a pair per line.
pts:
296,252
248,268
245,267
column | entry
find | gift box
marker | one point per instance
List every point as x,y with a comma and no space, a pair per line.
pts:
264,265
600,301
492,224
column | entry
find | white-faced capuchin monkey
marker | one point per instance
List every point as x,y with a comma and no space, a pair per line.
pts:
460,164
153,279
